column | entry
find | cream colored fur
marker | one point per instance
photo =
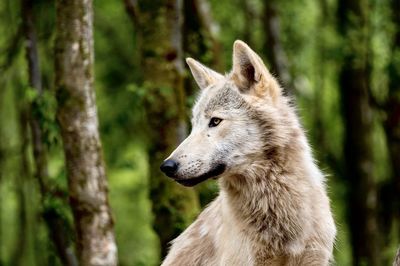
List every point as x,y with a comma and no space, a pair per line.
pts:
272,208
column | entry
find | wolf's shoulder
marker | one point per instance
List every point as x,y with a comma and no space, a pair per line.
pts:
196,245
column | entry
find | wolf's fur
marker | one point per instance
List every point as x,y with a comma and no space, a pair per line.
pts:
272,208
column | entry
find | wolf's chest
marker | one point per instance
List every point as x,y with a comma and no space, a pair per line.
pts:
236,248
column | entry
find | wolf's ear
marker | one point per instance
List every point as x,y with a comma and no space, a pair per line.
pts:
202,74
250,74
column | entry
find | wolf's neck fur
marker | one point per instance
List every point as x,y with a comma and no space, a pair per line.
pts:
268,201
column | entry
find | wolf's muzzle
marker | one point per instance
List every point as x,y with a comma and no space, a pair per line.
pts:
169,167
217,170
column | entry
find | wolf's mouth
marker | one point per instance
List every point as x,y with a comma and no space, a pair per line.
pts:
217,170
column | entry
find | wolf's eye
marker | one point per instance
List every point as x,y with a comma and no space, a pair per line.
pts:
214,122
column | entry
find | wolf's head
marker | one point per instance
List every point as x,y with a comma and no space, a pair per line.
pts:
238,121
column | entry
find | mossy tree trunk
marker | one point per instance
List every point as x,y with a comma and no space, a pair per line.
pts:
56,224
2,164
77,117
250,20
22,179
392,107
358,121
209,31
273,45
159,25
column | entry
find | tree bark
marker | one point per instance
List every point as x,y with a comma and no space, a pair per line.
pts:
201,38
211,29
77,117
396,261
358,144
160,29
273,47
61,241
392,108
250,16
21,245
35,82
3,155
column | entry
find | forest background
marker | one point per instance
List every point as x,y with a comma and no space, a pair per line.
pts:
339,60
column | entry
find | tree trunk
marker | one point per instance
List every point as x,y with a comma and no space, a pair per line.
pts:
77,117
273,47
210,28
35,82
19,255
396,261
392,122
3,155
250,15
358,144
60,240
200,38
160,25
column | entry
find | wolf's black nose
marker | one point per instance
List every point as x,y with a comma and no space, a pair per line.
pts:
169,167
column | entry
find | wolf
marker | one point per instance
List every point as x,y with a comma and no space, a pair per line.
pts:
272,208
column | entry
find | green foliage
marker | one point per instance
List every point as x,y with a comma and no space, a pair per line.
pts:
44,110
